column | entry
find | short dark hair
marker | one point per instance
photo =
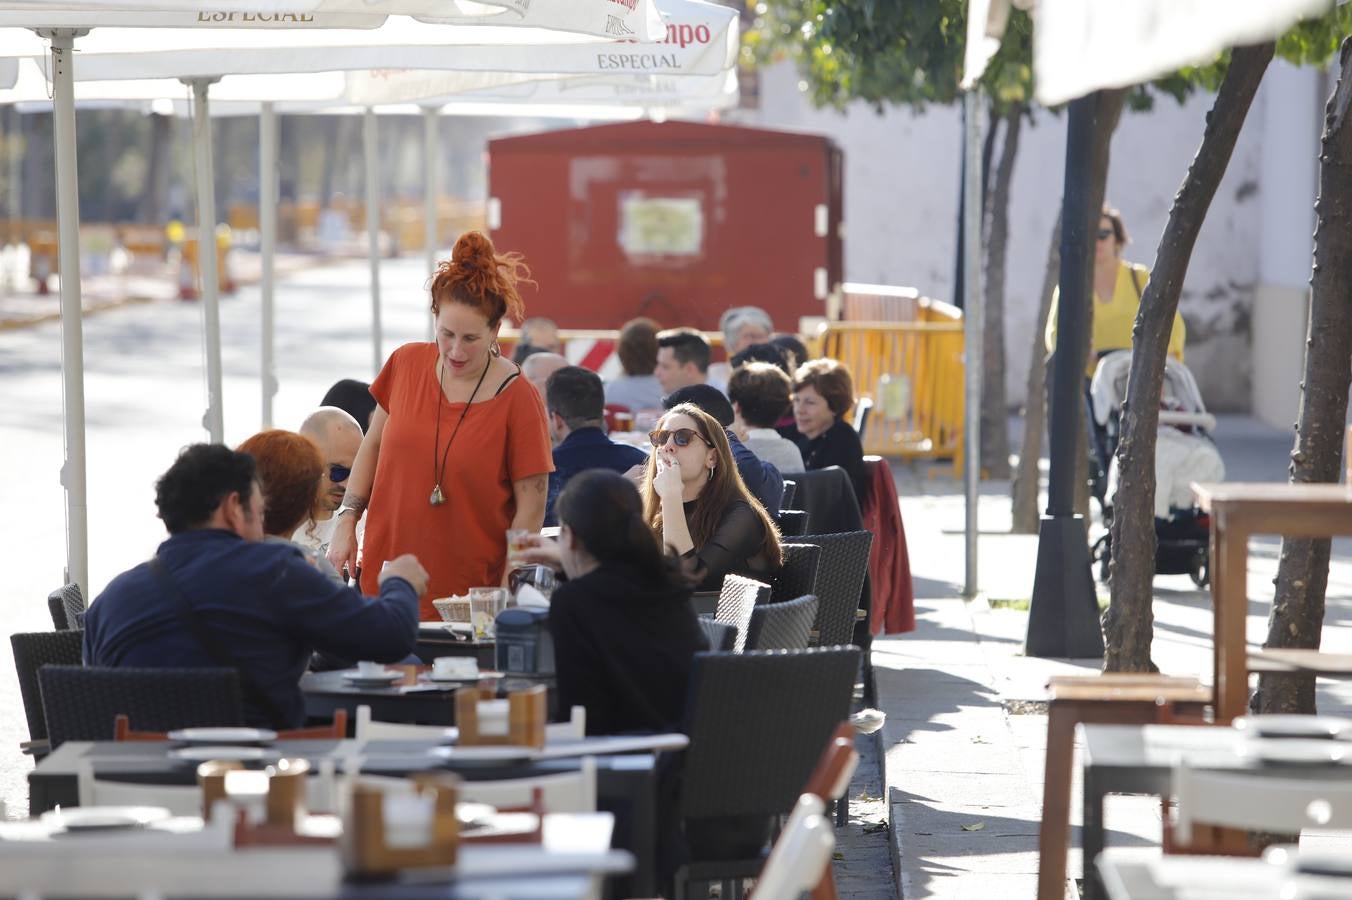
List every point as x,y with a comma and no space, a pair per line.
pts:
763,353
354,398
687,345
790,344
576,395
705,396
523,350
831,379
761,391
637,346
197,483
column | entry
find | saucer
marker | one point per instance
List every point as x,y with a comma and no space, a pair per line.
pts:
103,818
372,679
222,735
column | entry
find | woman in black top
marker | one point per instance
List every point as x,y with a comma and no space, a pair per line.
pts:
625,634
823,392
697,503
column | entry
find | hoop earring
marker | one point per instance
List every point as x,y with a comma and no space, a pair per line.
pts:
496,349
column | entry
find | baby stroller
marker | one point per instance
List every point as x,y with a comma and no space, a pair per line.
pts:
1184,453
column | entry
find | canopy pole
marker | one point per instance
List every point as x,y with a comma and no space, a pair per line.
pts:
972,309
267,240
72,311
369,148
214,420
431,193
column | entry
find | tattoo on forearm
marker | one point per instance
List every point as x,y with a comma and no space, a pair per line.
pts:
541,485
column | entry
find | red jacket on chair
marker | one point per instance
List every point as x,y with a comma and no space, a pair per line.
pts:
889,565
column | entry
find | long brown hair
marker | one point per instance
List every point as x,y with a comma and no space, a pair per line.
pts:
724,487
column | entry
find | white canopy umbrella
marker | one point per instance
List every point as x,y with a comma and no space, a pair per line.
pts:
199,45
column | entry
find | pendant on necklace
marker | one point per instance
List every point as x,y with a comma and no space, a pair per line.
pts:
437,497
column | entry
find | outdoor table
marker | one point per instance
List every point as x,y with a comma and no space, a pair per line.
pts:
626,785
1140,759
1144,874
408,700
1239,511
571,861
438,639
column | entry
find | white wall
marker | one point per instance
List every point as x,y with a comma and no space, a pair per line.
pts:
901,181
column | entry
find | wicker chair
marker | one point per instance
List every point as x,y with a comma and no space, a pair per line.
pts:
791,522
798,575
757,724
31,652
82,702
790,491
722,638
66,605
735,602
840,582
782,626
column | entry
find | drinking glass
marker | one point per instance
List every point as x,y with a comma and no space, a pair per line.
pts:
484,605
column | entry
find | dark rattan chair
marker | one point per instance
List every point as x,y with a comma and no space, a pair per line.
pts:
782,626
735,602
722,638
791,522
757,724
31,652
790,491
66,605
840,582
798,575
828,497
82,702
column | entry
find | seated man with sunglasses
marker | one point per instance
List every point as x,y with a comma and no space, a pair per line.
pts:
339,437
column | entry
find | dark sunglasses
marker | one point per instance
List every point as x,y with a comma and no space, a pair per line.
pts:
682,436
1105,233
337,473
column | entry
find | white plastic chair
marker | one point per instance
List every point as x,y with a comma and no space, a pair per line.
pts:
801,854
566,792
1257,801
368,729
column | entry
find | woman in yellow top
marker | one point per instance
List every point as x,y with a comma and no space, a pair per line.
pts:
1118,286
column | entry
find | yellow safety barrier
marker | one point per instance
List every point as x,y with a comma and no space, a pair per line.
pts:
913,373
190,275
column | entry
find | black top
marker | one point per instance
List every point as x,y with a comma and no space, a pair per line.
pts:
838,445
624,644
733,548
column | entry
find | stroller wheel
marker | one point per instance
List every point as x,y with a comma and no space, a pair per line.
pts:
1200,569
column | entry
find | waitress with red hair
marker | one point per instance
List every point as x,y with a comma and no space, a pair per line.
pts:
458,449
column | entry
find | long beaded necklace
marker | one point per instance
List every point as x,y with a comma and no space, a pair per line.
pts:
439,470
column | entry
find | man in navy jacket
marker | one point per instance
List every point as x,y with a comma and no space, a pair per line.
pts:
263,603
575,399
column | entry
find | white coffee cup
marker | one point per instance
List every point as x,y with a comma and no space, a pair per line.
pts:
368,668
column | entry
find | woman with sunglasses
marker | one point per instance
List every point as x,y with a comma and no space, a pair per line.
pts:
1118,286
697,504
458,450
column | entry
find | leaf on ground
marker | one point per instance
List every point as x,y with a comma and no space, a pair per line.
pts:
980,740
837,856
974,826
874,827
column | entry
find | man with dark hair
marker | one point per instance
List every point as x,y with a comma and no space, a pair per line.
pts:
216,595
759,393
575,401
682,358
761,478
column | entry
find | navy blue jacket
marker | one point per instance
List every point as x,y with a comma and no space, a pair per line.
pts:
587,448
762,479
267,605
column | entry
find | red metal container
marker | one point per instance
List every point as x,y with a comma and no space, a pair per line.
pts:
673,220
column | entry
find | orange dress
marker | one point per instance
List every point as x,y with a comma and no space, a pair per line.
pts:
462,543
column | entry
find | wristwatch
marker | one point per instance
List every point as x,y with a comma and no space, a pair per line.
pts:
347,509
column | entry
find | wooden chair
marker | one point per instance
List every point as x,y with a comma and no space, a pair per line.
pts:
1107,699
337,730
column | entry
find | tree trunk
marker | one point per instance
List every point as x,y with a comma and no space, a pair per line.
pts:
994,409
1302,573
1129,622
155,192
1028,474
1106,117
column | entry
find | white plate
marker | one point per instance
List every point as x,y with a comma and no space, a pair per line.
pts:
364,679
1295,751
223,735
483,754
1285,726
482,673
199,753
103,818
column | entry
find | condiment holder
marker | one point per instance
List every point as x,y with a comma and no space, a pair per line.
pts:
518,721
386,829
268,805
